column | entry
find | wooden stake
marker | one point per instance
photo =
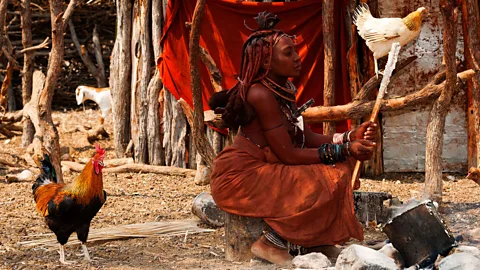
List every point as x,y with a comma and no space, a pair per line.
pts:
330,62
392,60
200,139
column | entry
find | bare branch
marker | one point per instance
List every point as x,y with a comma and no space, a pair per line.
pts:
42,45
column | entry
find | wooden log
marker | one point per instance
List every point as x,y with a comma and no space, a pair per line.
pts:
110,162
120,77
436,121
136,168
328,28
96,134
240,234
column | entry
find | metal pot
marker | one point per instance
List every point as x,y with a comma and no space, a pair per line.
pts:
420,235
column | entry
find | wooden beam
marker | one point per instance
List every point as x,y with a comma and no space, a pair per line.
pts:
357,109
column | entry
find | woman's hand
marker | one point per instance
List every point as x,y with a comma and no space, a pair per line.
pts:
361,149
366,131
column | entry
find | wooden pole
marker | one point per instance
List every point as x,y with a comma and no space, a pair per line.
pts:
328,28
436,121
470,18
202,144
28,66
392,60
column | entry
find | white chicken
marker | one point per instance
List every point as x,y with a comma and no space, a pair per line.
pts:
381,33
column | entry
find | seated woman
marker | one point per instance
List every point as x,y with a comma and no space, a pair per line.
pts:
277,168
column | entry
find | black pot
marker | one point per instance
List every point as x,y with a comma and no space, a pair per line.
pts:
420,235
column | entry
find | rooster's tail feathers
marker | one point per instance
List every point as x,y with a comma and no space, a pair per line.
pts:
47,174
361,13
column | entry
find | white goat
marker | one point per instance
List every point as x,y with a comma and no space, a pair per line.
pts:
101,96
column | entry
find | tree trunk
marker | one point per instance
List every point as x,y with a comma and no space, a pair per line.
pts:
120,74
175,126
328,27
155,138
28,66
472,140
200,139
436,121
470,17
142,61
39,109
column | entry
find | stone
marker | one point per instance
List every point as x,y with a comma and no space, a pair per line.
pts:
467,249
356,257
393,253
313,260
460,261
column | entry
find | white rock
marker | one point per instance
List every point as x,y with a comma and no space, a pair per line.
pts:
357,257
468,249
460,261
451,177
313,260
393,253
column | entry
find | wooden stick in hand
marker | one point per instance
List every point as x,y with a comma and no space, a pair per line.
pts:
392,60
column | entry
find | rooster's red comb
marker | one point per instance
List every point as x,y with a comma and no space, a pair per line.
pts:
99,150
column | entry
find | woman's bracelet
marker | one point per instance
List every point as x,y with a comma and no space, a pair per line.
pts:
331,153
339,138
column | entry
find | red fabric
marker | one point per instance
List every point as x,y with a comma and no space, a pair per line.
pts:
223,33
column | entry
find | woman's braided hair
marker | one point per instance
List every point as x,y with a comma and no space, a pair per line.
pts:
257,50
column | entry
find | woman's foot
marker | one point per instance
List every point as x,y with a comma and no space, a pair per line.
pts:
263,249
331,252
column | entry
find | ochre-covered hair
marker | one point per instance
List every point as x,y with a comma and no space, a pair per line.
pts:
257,51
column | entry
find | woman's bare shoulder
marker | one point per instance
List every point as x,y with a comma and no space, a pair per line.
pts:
260,95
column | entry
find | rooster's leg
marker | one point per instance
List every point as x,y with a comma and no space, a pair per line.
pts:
85,252
376,68
62,255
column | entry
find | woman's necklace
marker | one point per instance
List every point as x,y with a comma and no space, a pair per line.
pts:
287,93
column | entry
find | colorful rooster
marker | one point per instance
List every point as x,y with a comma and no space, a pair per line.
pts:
70,208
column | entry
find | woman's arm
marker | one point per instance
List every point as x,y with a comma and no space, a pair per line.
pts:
313,139
366,131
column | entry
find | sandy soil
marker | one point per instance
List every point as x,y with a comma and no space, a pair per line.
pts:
137,198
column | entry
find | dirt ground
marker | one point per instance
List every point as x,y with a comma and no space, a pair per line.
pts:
137,198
